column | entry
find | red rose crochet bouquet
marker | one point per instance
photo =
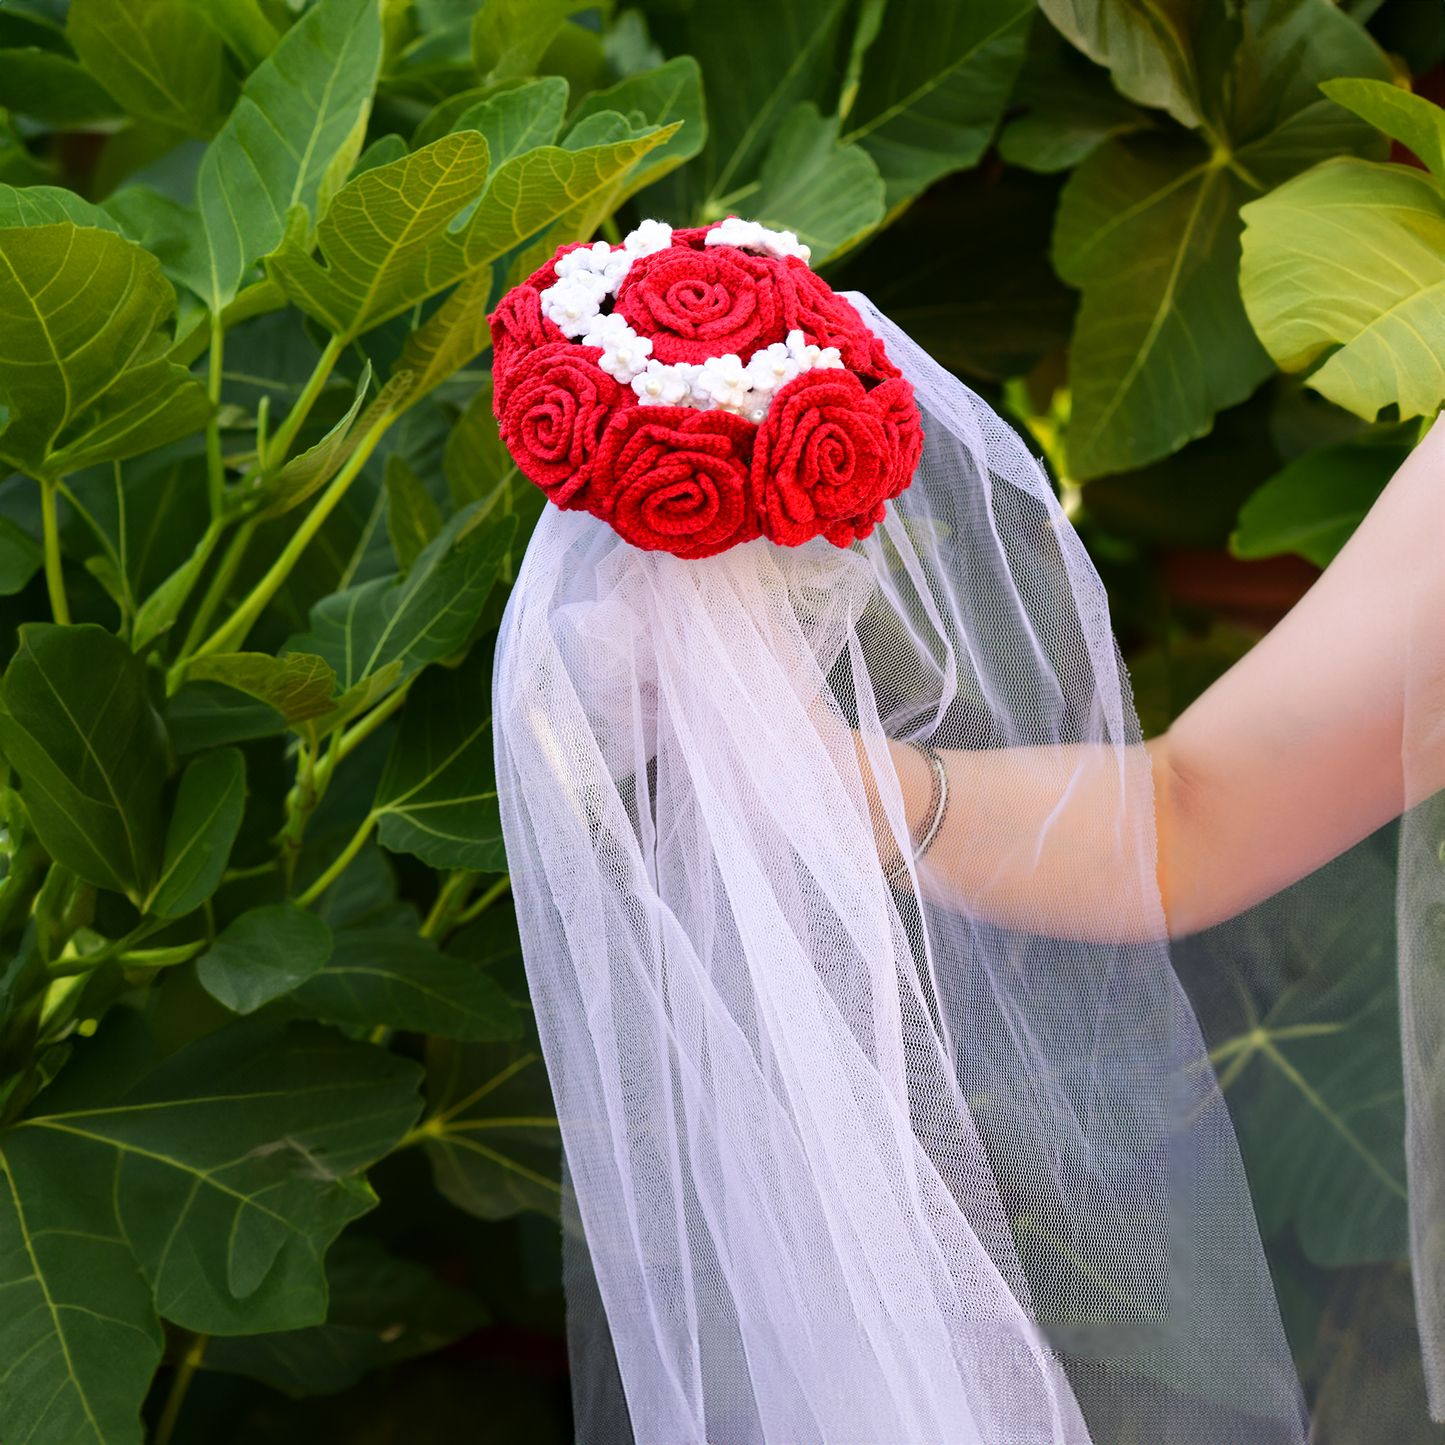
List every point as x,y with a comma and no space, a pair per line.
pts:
700,388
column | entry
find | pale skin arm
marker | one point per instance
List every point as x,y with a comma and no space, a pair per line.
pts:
1293,756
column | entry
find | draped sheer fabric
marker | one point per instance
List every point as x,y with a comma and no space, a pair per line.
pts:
852,1164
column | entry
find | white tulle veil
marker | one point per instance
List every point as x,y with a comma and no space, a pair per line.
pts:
853,1164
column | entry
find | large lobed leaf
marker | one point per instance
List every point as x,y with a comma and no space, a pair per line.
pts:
388,976
1148,225
208,1193
383,1309
934,84
387,238
412,620
159,58
438,795
491,1130
290,141
76,723
1352,255
830,194
82,369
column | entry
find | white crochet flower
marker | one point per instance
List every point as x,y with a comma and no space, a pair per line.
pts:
785,243
770,368
650,236
597,265
624,354
724,381
810,357
662,385
571,305
756,237
737,232
601,328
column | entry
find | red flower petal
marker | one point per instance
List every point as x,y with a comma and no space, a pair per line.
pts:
821,462
556,409
697,304
676,480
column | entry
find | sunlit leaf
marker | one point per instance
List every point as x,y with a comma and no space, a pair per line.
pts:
830,194
391,976
438,795
934,84
531,192
387,239
158,58
1314,504
297,118
412,620
264,954
48,205
491,1128
79,371
203,825
412,518
450,338
77,724
1410,119
1352,254
515,121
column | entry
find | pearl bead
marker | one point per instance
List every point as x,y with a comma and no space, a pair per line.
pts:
780,368
624,356
572,312
654,388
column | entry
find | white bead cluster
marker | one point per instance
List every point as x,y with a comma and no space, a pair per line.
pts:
724,383
587,276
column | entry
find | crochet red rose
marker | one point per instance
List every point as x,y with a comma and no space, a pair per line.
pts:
701,388
558,404
697,304
676,480
822,462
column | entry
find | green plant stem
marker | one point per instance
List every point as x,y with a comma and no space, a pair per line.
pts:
339,866
215,593
454,890
374,719
185,1373
285,434
215,465
501,886
54,578
233,633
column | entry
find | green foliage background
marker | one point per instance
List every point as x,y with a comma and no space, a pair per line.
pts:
277,1157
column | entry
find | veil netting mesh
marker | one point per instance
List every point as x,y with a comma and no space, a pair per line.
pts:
942,1162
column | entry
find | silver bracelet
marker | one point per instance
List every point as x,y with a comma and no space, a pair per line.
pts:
937,808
